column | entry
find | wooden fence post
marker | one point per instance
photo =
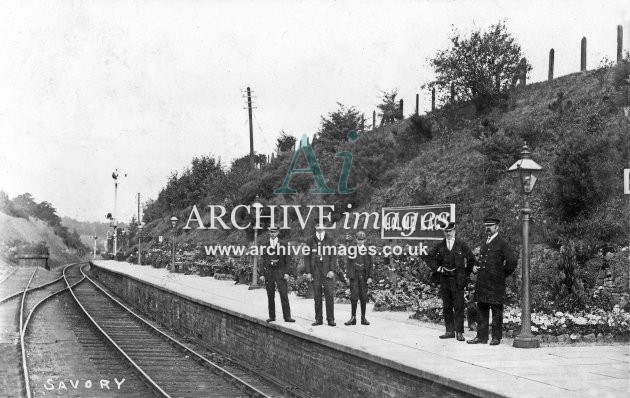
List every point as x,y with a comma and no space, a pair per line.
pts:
551,55
619,43
583,55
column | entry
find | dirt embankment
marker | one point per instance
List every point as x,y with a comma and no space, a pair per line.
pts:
15,231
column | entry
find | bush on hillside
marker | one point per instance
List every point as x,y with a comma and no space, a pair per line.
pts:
586,169
482,65
501,151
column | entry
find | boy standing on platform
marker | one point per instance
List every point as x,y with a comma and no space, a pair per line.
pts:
359,273
275,271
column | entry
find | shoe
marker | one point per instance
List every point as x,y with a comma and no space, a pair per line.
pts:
477,340
448,335
364,321
495,342
459,336
271,320
352,321
332,323
289,320
317,323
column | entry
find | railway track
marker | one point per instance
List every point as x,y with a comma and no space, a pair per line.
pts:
168,366
14,309
103,337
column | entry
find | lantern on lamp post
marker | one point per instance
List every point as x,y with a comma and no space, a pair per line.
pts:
173,225
254,285
525,173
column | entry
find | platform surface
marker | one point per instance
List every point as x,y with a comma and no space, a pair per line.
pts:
557,371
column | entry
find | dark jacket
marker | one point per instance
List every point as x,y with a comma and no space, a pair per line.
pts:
276,264
496,262
365,259
460,258
320,265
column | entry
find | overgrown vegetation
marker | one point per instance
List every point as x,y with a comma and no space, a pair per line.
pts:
575,127
481,66
24,206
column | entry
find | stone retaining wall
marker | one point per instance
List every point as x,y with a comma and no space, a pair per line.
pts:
322,368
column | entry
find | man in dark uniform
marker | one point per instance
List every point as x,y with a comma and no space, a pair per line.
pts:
496,262
320,266
454,261
359,274
275,271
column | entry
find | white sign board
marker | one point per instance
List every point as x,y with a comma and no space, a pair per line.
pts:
626,181
160,238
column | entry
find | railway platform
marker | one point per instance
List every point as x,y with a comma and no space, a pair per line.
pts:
405,346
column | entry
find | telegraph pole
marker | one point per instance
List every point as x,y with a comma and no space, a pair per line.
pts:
115,220
251,129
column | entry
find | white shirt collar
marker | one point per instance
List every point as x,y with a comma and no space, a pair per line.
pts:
320,235
492,237
273,241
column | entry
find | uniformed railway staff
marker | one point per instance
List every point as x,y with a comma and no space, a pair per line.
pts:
358,272
320,266
496,262
275,271
454,262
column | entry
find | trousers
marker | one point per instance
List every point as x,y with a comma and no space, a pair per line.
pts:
281,283
484,318
328,287
452,304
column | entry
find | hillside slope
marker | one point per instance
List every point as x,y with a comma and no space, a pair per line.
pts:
460,154
14,231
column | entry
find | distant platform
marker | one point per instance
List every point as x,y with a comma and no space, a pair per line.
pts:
404,346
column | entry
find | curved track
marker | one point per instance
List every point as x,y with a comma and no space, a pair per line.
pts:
96,335
167,365
13,310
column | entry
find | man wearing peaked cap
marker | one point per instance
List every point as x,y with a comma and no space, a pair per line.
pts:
320,266
496,262
454,261
275,270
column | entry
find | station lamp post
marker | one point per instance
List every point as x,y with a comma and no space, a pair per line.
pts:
140,226
95,238
525,174
254,285
173,225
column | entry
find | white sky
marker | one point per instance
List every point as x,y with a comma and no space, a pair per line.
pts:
144,86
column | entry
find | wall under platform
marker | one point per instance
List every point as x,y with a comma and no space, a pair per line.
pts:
318,366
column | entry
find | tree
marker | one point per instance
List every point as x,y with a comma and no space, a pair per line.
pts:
484,64
285,142
334,128
389,108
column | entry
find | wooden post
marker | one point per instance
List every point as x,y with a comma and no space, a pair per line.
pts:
619,43
551,55
452,92
417,103
583,55
433,99
373,120
251,132
401,109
